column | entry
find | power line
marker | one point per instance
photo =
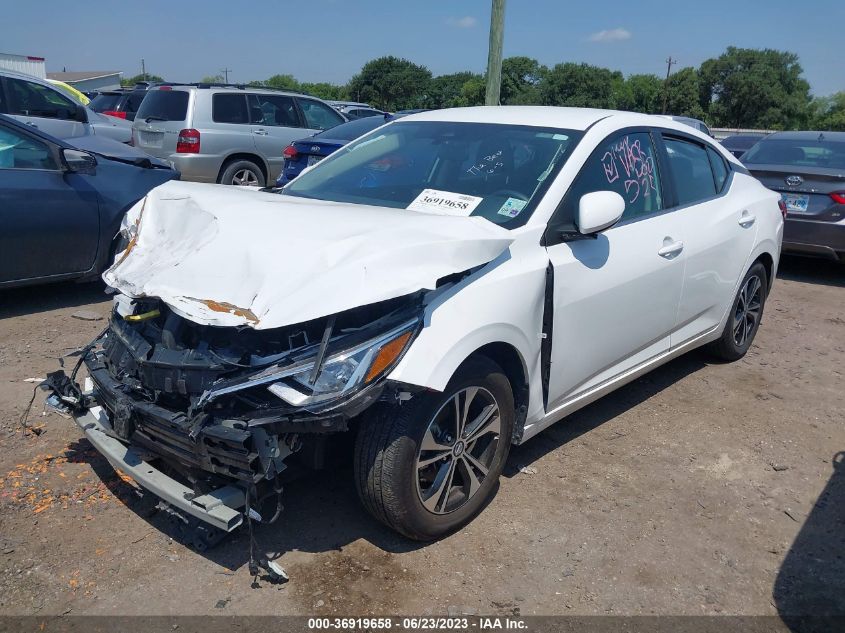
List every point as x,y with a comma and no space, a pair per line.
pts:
226,72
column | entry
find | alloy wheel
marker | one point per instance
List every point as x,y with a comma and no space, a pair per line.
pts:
748,309
458,450
245,178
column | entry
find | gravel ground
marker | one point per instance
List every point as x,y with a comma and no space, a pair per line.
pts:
701,488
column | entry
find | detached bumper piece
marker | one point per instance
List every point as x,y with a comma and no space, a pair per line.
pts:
221,508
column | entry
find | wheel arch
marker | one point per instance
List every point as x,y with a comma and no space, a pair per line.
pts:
254,158
768,262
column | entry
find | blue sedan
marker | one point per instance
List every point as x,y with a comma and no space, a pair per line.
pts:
309,151
62,202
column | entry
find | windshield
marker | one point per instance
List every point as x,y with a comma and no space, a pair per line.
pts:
495,171
798,153
352,130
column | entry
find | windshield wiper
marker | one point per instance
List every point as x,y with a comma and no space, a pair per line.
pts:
154,118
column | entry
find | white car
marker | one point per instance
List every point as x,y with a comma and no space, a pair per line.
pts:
446,286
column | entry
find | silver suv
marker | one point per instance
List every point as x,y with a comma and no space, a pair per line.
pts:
233,135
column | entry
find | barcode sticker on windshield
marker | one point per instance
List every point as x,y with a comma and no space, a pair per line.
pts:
444,203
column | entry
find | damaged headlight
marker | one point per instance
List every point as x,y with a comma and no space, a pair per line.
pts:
345,371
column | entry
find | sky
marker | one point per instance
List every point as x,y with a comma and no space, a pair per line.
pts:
329,40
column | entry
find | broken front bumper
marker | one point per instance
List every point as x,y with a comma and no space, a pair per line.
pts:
221,508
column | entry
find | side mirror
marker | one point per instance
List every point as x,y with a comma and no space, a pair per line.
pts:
81,114
78,162
598,211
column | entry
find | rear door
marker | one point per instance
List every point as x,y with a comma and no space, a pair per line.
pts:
42,107
275,124
616,294
159,120
719,225
49,219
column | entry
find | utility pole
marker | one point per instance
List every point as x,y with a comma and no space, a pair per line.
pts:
226,72
143,70
494,55
669,63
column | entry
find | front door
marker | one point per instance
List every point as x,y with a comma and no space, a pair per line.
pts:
43,108
615,296
49,220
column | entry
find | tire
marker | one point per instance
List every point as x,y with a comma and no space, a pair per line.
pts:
404,495
734,342
242,172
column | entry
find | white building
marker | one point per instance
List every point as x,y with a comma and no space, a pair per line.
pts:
28,64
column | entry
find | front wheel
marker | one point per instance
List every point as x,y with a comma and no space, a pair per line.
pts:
426,467
744,317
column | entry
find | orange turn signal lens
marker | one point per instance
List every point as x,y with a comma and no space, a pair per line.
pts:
386,355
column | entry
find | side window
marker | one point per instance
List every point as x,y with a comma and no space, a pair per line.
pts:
691,171
18,151
720,169
319,116
31,99
626,165
229,108
277,110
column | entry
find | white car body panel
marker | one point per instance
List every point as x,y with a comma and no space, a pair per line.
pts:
620,307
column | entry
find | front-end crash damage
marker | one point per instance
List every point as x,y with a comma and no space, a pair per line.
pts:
219,409
248,327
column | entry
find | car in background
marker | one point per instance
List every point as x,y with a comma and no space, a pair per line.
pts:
37,103
361,113
738,144
227,134
73,92
701,126
808,170
122,104
310,151
62,202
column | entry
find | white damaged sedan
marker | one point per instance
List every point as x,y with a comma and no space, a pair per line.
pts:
444,287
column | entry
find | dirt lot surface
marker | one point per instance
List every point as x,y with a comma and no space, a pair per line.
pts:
699,489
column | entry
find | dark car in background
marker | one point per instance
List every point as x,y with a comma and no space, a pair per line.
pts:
808,170
62,202
122,104
738,144
362,113
311,150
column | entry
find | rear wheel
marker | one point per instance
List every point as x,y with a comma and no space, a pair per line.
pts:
426,467
243,173
744,318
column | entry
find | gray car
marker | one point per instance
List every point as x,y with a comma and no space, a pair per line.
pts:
38,104
232,135
808,169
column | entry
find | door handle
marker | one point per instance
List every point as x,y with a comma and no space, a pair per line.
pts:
260,132
670,250
31,124
747,219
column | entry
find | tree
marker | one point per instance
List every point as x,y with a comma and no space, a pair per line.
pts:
391,83
828,113
131,81
447,91
750,88
580,85
325,90
682,92
212,79
520,77
640,93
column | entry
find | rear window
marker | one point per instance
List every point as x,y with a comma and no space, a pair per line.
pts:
164,105
229,108
799,153
352,130
103,102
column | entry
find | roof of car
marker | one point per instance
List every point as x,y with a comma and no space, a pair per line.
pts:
540,116
808,136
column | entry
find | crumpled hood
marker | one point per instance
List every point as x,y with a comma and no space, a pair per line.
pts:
228,256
